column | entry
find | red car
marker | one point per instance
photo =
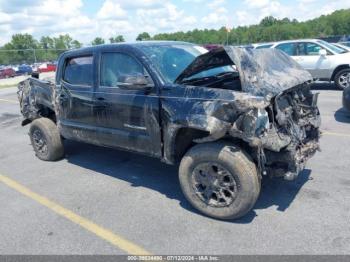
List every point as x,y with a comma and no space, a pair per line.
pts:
7,72
211,46
47,68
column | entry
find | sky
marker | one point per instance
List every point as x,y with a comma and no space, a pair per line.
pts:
86,19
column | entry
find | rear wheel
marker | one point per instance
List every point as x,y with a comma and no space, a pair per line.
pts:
220,180
46,140
342,78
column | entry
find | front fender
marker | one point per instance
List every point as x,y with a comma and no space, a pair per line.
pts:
212,126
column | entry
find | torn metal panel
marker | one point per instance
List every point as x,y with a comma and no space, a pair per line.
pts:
33,94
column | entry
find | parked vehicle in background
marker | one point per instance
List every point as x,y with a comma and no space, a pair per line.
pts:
7,73
47,67
346,98
345,43
182,104
211,46
14,67
24,70
263,45
341,46
325,61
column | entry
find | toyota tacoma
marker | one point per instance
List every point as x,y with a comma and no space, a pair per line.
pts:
228,116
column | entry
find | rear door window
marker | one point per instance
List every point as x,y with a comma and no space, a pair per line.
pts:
288,48
78,71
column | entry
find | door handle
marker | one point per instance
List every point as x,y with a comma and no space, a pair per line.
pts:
100,103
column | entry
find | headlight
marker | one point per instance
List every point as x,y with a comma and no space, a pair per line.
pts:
262,121
255,122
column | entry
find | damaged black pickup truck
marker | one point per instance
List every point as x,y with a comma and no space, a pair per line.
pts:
228,116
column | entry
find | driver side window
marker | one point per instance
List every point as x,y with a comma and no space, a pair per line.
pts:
116,66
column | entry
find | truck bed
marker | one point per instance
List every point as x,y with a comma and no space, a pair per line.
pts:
35,96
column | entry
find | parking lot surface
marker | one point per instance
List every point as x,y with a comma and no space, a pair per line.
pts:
134,201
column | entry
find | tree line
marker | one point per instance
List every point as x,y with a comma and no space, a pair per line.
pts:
268,30
24,48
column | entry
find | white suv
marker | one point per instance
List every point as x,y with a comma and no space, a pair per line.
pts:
324,61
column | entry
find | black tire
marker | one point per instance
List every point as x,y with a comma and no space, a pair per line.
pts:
236,163
339,78
46,140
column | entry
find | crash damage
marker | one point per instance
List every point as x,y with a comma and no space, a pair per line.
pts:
274,112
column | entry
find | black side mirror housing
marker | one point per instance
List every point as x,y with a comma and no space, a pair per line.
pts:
35,75
135,82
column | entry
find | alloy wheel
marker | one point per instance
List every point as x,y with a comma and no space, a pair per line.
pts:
214,184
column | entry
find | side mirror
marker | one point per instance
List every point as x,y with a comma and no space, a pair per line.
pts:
35,75
133,82
322,52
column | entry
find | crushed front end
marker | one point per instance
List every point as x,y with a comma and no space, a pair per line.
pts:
285,134
274,114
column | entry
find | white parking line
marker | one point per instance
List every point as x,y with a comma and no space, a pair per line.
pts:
9,101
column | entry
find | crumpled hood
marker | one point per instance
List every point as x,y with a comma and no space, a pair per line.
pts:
262,71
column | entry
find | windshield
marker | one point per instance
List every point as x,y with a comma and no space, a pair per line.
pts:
333,48
172,59
343,47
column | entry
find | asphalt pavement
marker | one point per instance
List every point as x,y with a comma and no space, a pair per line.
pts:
103,201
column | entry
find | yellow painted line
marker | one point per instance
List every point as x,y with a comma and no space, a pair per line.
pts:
9,101
335,134
99,231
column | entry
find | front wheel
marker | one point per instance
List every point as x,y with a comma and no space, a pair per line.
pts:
342,78
219,179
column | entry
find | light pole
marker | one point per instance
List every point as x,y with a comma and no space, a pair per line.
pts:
34,55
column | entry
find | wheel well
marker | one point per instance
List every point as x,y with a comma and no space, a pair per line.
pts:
45,111
184,141
337,69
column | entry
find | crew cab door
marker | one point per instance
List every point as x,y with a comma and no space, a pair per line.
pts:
126,114
74,98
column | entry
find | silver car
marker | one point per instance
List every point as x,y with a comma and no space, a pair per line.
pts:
323,60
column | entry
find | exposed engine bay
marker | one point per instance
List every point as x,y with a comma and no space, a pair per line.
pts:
285,135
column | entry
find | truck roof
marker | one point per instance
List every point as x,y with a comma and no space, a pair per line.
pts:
126,44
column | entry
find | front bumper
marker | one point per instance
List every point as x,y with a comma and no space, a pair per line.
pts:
289,162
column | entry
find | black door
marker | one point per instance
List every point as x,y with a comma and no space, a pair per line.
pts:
74,99
127,112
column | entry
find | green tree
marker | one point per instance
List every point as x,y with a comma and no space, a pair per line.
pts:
98,41
22,48
268,21
76,44
117,39
143,37
269,29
